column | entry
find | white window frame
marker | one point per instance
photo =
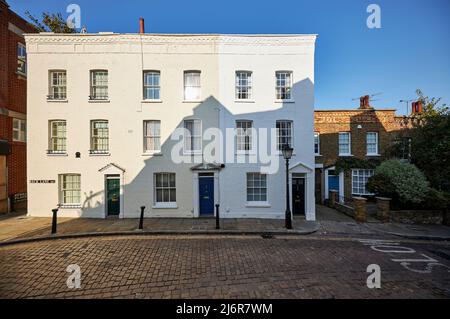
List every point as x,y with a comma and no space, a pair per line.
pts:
290,136
94,86
316,143
349,144
283,90
72,187
152,86
243,92
162,187
154,135
60,86
372,144
191,137
244,136
194,87
357,175
262,190
60,140
21,59
19,130
98,139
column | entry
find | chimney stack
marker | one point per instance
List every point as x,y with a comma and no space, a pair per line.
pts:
417,107
141,26
364,102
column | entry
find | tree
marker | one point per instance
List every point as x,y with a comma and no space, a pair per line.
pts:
430,145
401,180
50,22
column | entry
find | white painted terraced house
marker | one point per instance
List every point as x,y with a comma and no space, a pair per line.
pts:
102,109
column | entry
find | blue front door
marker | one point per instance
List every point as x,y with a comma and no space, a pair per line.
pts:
333,182
206,193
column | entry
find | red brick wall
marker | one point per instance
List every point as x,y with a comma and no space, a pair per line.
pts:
13,97
330,123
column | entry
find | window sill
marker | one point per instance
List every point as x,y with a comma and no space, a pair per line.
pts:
192,101
373,155
156,153
93,153
284,101
56,154
151,101
318,155
165,206
246,153
193,153
57,101
99,101
258,205
244,101
69,206
345,155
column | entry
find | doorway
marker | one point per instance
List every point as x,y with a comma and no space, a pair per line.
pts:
113,195
206,194
298,195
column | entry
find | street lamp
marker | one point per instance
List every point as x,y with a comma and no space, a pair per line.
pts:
287,154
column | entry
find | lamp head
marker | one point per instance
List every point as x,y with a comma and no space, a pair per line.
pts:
287,152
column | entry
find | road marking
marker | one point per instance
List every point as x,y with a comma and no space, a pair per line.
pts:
392,247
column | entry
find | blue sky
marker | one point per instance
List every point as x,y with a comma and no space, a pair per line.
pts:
410,51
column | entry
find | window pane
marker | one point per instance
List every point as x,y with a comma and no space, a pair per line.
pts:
344,143
151,85
192,86
243,85
256,187
283,85
193,135
284,134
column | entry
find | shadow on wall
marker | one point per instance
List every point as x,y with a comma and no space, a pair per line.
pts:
140,190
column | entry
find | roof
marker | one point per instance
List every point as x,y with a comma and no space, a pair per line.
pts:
286,35
356,110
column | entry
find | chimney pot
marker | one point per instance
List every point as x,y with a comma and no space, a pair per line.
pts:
141,26
364,102
417,107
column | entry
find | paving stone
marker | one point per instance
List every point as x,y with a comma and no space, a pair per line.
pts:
215,267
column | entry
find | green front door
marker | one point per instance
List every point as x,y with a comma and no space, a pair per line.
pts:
113,195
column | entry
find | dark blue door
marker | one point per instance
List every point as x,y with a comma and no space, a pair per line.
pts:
333,182
206,193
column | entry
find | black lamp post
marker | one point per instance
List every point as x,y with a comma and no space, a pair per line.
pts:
287,154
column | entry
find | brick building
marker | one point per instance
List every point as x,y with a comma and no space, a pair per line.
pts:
13,81
364,133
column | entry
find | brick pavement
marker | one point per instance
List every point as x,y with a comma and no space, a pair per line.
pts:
20,226
214,267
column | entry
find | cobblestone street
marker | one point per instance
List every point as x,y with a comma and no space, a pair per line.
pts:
221,267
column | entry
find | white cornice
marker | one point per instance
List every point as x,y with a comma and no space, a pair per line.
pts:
189,39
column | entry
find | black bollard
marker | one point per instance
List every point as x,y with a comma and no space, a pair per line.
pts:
55,210
217,217
141,221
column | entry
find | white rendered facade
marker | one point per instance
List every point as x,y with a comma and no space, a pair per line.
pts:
72,61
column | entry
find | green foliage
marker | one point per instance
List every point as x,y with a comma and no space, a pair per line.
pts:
344,164
381,185
50,22
435,199
431,142
401,180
